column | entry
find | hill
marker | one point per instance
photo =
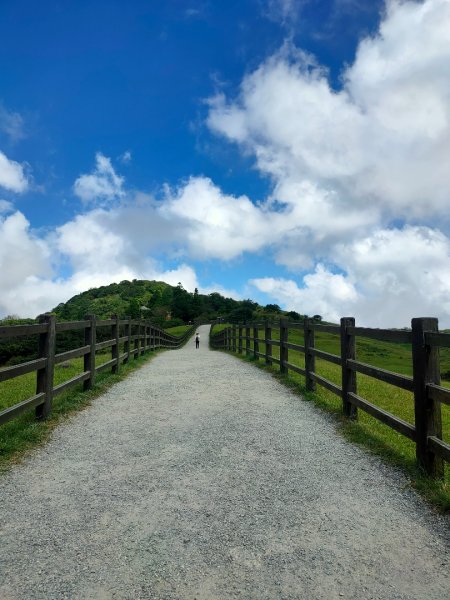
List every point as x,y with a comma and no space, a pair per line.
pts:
160,302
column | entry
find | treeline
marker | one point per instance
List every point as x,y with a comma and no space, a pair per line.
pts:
159,302
163,304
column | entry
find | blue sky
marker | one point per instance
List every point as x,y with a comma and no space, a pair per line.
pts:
291,151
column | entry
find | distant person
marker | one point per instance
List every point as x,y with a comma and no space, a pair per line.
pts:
197,340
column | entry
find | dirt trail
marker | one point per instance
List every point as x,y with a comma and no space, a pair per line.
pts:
201,477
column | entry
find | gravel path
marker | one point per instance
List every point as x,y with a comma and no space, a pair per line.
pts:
201,477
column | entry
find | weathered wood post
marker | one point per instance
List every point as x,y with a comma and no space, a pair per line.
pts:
152,337
144,339
127,345
284,332
90,339
115,346
234,338
136,340
240,339
428,420
348,352
45,376
247,339
142,334
255,343
310,359
267,338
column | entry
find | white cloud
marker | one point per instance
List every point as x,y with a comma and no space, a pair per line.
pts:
390,277
23,257
126,157
383,138
103,185
325,293
12,175
347,163
12,124
96,254
6,206
217,225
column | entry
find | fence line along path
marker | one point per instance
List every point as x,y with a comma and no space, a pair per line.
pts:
200,476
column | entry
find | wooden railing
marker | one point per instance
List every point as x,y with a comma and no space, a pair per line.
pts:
425,340
134,337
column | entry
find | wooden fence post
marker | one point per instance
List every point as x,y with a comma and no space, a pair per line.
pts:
284,332
144,332
141,337
144,338
426,369
310,359
247,340
267,337
136,340
234,338
90,338
255,343
115,346
240,339
348,352
127,345
44,377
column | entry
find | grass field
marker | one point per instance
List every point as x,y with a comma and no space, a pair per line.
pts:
368,431
179,330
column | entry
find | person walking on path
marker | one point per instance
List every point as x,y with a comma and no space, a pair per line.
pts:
197,340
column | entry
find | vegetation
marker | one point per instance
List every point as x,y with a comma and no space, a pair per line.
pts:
165,305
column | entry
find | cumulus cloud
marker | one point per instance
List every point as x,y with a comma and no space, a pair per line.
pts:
384,137
348,162
103,185
323,293
23,257
12,175
98,249
359,205
390,277
217,225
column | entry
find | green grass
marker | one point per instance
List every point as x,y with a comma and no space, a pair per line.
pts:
20,435
179,330
367,431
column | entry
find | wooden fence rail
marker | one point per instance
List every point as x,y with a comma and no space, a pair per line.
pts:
425,340
136,337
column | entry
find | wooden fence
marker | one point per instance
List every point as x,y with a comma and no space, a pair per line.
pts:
135,337
425,340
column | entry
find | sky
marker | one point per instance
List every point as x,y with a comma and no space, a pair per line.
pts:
294,152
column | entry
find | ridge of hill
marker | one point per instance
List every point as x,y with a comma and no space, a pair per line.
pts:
160,302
